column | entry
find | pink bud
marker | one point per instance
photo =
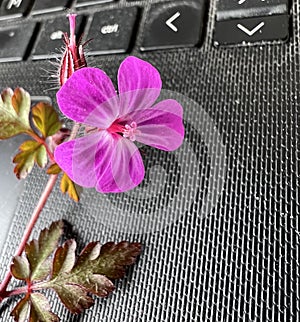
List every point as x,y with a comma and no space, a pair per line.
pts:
73,57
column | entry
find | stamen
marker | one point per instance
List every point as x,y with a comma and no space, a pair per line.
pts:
130,131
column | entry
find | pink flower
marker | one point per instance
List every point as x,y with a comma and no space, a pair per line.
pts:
107,158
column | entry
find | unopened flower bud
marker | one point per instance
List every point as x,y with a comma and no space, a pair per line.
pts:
73,57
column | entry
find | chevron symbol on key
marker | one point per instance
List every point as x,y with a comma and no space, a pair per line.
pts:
170,21
253,31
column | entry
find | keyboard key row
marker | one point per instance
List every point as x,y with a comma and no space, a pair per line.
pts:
175,24
250,21
15,42
11,9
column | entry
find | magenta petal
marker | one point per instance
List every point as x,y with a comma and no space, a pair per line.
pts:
63,157
84,93
122,170
160,126
77,159
135,73
139,84
108,162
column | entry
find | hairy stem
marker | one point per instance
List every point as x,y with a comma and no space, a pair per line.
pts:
41,203
35,216
16,291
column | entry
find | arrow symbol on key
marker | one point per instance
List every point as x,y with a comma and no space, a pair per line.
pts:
170,21
250,32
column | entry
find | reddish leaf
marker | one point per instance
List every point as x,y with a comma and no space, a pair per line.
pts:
64,258
21,310
34,308
73,296
40,309
38,251
90,273
20,268
115,257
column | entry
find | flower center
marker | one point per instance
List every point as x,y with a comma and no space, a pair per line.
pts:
128,131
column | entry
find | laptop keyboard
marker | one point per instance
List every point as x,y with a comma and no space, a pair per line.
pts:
32,30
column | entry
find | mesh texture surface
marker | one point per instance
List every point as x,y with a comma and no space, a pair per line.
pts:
219,219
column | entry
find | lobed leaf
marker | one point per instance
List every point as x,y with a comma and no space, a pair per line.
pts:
89,253
68,186
38,251
20,268
34,308
40,309
30,152
73,281
74,285
14,113
73,296
64,258
21,103
46,119
21,311
115,257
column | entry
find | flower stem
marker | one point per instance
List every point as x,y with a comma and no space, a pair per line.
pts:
75,130
41,203
17,291
35,216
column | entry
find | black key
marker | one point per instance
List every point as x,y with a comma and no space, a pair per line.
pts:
252,30
228,9
81,3
176,24
14,8
111,31
50,43
45,6
15,41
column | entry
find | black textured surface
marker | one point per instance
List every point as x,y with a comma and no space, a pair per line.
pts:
219,219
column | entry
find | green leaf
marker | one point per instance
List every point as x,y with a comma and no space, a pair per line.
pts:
30,152
38,251
46,119
21,310
20,268
68,186
54,169
14,113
